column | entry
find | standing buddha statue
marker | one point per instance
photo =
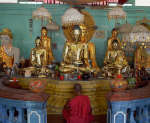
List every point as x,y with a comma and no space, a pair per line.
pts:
46,44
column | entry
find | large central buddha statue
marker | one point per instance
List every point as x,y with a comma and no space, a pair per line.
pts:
79,54
115,61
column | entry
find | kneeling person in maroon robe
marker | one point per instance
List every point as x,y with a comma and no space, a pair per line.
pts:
78,109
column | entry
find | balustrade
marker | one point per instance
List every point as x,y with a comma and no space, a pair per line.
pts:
21,106
130,106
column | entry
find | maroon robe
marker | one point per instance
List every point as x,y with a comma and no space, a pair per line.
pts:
79,110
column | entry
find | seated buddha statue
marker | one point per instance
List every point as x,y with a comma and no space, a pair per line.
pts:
113,37
115,61
46,44
76,54
38,54
9,55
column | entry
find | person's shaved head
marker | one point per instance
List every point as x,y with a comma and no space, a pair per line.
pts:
77,88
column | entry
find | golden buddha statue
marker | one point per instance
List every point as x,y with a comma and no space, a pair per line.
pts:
8,53
91,49
38,54
5,58
142,56
113,37
46,44
78,53
115,61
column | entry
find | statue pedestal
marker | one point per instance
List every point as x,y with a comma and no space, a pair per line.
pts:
61,91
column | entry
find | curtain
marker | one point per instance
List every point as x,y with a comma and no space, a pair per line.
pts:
122,1
77,1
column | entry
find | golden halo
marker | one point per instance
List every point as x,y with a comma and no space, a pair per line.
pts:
88,24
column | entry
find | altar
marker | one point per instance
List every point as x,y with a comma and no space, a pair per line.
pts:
61,91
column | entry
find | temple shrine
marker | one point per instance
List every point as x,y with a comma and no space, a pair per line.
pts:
48,46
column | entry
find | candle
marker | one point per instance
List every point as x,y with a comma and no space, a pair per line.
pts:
79,77
61,77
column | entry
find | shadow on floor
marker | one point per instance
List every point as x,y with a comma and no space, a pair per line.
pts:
60,119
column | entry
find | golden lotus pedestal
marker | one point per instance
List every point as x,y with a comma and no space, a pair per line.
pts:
61,91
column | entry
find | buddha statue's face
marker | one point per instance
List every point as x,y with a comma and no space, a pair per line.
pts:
37,42
84,30
142,45
114,33
44,32
5,40
115,45
77,34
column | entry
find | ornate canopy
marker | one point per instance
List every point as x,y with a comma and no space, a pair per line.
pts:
41,13
116,13
125,28
72,16
140,33
83,19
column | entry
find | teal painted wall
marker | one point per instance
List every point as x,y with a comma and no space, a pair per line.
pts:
16,17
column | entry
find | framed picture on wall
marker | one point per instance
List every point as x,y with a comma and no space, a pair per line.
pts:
99,34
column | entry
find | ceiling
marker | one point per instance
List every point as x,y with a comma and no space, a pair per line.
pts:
76,2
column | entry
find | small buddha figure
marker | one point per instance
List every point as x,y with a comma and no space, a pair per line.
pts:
115,61
113,37
76,54
38,54
9,54
46,44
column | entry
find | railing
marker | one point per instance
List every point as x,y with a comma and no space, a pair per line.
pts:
131,106
21,106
